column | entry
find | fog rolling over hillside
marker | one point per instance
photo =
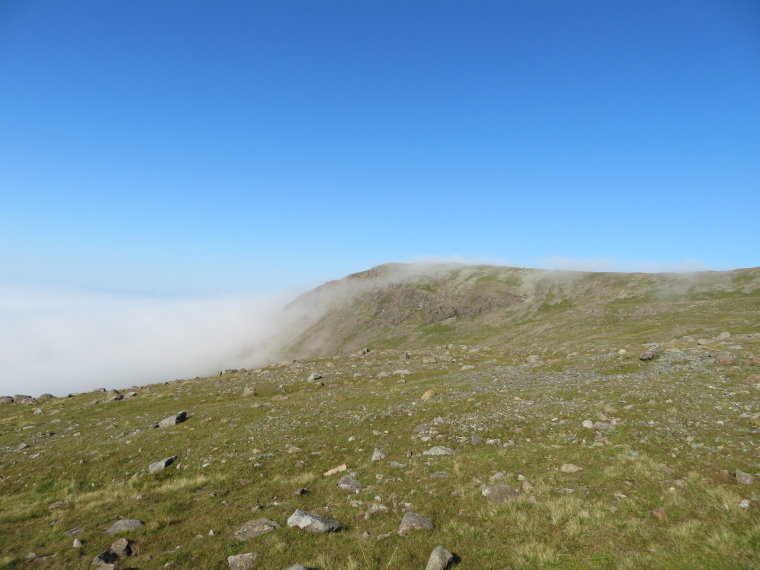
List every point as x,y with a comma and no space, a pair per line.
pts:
414,306
61,343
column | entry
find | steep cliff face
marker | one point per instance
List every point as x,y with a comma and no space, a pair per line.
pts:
412,306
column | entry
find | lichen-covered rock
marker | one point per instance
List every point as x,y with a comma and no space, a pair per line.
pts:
500,493
348,483
256,528
242,561
124,524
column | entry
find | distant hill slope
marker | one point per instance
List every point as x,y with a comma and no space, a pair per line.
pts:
415,306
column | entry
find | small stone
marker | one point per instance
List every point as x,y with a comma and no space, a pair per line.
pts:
162,464
124,524
744,478
439,559
381,537
348,483
173,420
724,335
427,395
77,543
500,493
439,450
374,509
299,492
314,376
73,532
467,367
659,513
588,424
412,521
242,561
297,567
313,523
570,468
745,504
378,455
256,528
338,469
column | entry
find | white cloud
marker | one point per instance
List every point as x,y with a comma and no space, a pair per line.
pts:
62,341
627,266
459,260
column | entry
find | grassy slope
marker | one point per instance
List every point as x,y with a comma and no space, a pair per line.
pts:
683,424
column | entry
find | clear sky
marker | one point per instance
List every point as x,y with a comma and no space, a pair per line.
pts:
184,148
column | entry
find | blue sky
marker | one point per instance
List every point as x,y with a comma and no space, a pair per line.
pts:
198,147
174,149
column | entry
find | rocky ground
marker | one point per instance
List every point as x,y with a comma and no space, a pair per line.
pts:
630,456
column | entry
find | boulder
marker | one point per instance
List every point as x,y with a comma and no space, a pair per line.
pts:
651,353
500,493
122,548
256,528
124,524
173,420
157,466
439,450
242,561
439,559
313,523
348,483
412,521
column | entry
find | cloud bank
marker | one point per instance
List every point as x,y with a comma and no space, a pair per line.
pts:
630,266
62,342
460,260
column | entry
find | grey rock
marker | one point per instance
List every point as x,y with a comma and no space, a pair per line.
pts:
412,521
467,367
124,524
122,548
724,335
256,528
374,509
73,532
6,400
297,567
173,420
439,559
500,493
651,353
438,450
242,561
744,478
348,483
162,464
570,468
77,543
378,455
314,376
23,399
313,523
